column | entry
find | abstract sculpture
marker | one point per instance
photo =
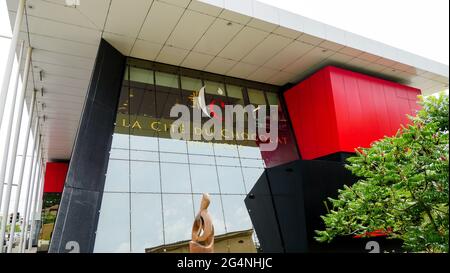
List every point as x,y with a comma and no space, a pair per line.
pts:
202,229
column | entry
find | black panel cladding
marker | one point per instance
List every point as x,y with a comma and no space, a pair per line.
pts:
77,218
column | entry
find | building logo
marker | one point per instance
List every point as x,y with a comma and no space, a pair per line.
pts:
238,122
193,99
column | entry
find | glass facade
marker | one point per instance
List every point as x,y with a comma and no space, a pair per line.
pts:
154,183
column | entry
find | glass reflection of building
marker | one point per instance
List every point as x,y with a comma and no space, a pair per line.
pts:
154,183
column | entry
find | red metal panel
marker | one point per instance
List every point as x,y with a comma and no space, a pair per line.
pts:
354,110
381,107
309,103
55,176
341,106
337,110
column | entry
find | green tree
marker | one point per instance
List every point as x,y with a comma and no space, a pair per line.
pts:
17,229
402,187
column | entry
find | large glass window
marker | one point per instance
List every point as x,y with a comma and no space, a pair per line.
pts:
167,79
144,176
154,183
141,75
230,180
204,179
117,176
256,97
251,176
172,145
113,231
215,88
120,141
146,224
178,213
191,84
236,215
143,143
272,98
175,178
225,149
197,147
235,94
215,210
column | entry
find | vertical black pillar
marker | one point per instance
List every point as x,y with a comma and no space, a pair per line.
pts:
77,218
291,197
261,208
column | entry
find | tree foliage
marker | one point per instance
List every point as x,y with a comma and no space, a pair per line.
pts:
402,187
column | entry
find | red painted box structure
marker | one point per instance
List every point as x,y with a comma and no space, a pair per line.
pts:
55,177
336,110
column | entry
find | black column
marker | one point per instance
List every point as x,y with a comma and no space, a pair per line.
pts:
287,201
77,218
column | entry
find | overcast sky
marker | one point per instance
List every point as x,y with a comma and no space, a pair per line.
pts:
418,26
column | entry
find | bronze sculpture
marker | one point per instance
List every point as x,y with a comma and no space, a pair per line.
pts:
202,229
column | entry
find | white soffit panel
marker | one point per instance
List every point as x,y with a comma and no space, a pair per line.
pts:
126,17
336,40
160,21
190,29
247,39
218,36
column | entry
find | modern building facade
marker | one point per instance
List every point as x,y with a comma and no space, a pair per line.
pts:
109,72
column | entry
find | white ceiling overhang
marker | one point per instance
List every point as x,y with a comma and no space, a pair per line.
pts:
240,38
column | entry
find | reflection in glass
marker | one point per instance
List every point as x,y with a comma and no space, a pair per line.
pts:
230,179
251,176
204,179
215,210
166,79
144,176
214,88
174,157
197,147
272,98
201,159
256,97
165,99
119,154
221,149
235,94
190,87
172,145
120,141
123,100
162,178
227,161
178,217
175,178
144,155
236,215
146,221
117,176
141,75
142,103
191,84
113,229
258,163
144,143
249,152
